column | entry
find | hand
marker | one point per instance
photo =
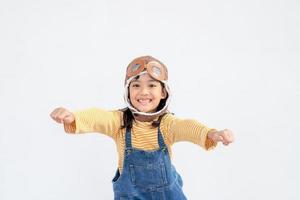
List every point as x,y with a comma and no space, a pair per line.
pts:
225,136
62,115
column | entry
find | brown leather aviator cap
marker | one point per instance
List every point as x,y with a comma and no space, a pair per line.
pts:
154,67
158,71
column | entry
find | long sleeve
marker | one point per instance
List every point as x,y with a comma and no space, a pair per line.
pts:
187,130
96,120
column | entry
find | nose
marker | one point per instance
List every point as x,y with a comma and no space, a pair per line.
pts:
144,91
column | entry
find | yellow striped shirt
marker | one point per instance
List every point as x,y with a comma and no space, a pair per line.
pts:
144,135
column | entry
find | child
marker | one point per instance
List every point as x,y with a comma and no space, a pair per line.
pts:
144,132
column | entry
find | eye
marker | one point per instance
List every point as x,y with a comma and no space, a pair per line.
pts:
152,85
135,85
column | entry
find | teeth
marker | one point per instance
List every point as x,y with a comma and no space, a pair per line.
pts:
143,101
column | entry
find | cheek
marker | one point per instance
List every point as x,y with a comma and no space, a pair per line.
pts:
161,93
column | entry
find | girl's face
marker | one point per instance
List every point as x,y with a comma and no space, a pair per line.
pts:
146,93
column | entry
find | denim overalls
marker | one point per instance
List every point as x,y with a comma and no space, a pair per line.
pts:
147,175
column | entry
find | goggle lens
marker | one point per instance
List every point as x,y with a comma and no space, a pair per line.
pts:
156,71
135,67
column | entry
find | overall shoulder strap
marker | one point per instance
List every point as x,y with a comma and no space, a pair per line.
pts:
128,138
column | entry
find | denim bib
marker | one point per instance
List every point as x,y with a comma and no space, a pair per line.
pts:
147,175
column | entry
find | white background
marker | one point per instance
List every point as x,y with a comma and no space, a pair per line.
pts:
232,64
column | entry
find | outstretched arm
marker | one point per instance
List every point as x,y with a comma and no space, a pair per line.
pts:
89,120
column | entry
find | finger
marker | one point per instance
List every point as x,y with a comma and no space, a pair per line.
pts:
55,114
55,118
221,138
229,140
59,118
64,113
229,137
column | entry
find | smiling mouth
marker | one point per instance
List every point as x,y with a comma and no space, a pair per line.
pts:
144,101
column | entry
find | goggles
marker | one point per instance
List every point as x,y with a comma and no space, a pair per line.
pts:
154,68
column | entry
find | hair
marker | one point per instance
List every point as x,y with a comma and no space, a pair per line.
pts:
128,116
128,119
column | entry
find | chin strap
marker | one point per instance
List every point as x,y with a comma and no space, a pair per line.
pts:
136,112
